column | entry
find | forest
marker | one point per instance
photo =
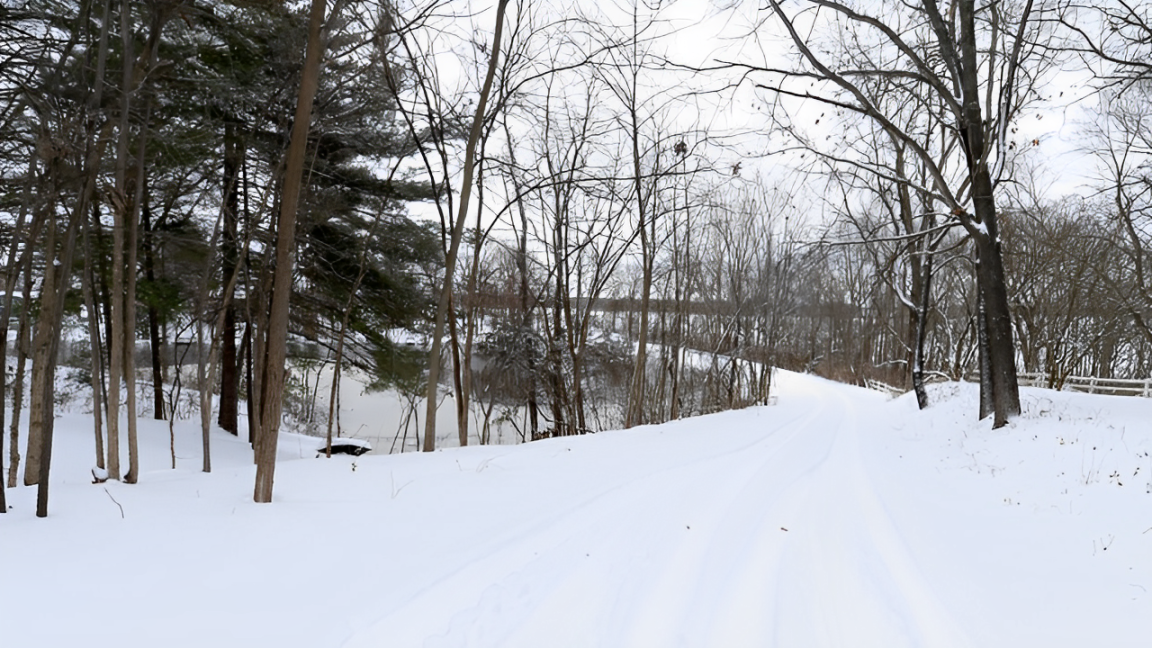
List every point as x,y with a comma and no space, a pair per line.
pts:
559,217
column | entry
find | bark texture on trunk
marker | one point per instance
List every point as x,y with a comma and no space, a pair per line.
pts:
996,323
923,307
52,310
998,374
96,348
273,384
228,417
22,351
154,336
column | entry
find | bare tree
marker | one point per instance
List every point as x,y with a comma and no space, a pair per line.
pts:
629,56
1121,142
1062,266
969,62
1113,38
457,231
275,347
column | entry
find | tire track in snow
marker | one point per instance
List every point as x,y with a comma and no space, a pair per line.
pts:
502,587
698,556
848,579
804,555
717,590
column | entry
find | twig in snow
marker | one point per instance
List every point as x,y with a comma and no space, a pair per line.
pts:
115,502
396,491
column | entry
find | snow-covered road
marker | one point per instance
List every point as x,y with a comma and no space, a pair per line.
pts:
834,518
739,535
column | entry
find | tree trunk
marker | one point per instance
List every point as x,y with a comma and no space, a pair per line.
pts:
58,275
458,387
39,411
997,327
469,173
119,217
273,384
229,381
258,320
636,393
472,311
96,348
249,388
525,301
639,383
40,392
154,337
132,243
996,316
11,275
923,307
18,389
205,397
54,288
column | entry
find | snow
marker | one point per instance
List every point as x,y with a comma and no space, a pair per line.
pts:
834,518
358,443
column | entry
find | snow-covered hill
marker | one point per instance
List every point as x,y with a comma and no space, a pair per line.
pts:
834,518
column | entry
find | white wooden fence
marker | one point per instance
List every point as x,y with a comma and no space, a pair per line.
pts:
1085,384
1093,385
883,387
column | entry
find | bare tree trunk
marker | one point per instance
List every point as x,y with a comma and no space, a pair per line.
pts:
458,387
639,371
96,347
155,342
273,386
11,275
39,411
682,252
458,233
259,359
636,393
116,355
18,390
57,277
997,330
250,391
526,330
208,363
229,382
525,296
922,268
132,236
985,362
923,308
333,413
202,358
555,351
997,318
472,311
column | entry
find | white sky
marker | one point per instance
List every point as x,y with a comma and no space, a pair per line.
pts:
704,32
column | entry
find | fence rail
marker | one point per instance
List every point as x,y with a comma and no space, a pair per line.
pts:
1093,385
884,387
1085,384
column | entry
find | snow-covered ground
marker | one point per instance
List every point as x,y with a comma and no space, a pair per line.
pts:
835,518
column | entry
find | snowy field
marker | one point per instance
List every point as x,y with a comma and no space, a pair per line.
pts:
835,518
